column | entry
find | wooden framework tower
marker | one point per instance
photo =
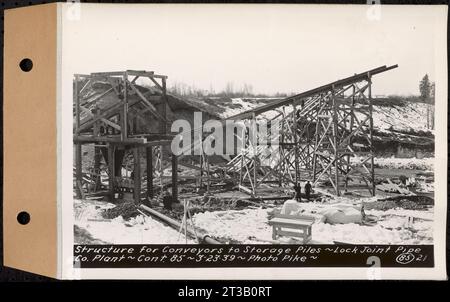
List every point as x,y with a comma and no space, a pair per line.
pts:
325,135
110,121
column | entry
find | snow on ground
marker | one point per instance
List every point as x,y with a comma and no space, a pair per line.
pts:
138,230
251,226
235,224
237,106
401,163
411,116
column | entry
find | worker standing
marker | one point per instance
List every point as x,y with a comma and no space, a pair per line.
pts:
298,192
307,190
167,200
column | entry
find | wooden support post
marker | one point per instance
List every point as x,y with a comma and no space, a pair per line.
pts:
124,114
372,170
308,148
316,142
97,154
202,159
208,175
174,177
201,170
164,106
137,175
335,141
255,150
294,134
161,167
97,172
78,169
352,123
149,153
241,163
111,171
78,154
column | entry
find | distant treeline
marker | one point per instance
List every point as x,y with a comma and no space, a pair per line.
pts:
230,90
246,91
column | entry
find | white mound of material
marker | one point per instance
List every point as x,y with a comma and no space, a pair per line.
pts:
349,215
138,230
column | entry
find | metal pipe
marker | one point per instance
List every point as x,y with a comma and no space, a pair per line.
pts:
202,238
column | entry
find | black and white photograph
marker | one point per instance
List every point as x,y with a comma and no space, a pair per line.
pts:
256,125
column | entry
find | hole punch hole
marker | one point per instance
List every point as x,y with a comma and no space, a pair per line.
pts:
23,218
26,65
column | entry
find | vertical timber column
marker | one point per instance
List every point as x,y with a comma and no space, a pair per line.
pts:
316,139
97,172
308,148
78,169
351,129
137,175
124,117
208,175
161,167
164,107
372,170
255,145
294,133
241,160
335,141
149,153
111,171
202,159
174,177
97,153
284,153
78,154
163,127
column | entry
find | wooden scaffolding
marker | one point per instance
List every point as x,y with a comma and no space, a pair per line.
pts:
325,135
112,127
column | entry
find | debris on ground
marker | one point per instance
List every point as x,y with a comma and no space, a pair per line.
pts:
410,203
127,210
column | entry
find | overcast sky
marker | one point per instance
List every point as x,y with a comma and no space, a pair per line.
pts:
274,48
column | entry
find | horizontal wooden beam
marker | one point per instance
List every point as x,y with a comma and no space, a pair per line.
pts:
142,142
112,124
333,85
107,139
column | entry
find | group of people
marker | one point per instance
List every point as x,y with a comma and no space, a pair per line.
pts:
292,206
298,191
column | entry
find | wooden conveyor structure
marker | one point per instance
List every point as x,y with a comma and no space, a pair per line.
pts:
319,132
315,135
